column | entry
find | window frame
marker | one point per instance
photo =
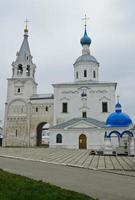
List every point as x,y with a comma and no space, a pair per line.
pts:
76,75
85,73
84,114
64,107
94,74
104,107
18,90
46,108
59,138
16,132
20,69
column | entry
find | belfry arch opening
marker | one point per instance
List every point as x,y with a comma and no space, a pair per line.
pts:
19,70
42,134
28,70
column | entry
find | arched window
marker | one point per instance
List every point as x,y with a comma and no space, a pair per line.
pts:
20,70
46,108
127,133
94,74
58,138
114,133
28,70
85,73
16,132
83,94
18,90
76,75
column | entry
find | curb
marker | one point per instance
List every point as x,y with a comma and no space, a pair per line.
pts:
69,165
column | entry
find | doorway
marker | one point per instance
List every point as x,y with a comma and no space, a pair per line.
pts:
82,141
43,134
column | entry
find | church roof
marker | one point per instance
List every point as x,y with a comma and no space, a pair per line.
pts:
24,49
86,58
41,96
76,120
86,83
118,118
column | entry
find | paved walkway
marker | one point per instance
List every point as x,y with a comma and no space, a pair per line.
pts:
104,186
77,158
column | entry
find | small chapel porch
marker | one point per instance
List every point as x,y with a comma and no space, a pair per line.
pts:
78,133
119,142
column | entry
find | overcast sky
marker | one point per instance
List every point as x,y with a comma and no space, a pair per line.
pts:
55,29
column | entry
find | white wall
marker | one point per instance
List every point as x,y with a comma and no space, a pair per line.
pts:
92,104
70,138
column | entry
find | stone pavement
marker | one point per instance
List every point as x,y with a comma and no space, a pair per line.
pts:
95,183
73,157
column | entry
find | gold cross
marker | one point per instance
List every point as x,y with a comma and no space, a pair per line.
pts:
85,20
26,23
118,97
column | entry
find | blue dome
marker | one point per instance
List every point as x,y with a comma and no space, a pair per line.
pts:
118,118
85,40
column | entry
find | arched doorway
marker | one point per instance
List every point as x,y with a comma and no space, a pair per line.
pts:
42,134
115,139
82,141
126,141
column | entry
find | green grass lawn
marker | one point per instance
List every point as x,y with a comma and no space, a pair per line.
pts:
14,187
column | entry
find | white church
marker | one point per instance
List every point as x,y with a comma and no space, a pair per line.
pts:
79,115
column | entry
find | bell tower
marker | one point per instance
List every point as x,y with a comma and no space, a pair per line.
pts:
23,82
21,86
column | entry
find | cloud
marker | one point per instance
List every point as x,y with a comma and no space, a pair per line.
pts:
55,29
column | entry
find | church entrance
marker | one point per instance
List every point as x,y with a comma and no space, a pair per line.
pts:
43,134
82,141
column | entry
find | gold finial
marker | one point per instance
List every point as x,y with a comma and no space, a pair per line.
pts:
118,98
85,20
26,25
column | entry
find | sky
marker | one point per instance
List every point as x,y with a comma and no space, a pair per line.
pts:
55,29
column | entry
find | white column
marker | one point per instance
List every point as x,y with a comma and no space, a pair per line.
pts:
132,147
107,146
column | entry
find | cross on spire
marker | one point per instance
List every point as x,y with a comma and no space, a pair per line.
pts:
85,20
26,24
118,97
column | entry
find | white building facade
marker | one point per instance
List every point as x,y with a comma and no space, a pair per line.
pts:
76,112
25,110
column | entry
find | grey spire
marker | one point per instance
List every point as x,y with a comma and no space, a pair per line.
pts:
24,67
24,54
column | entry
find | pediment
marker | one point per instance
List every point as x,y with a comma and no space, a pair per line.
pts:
64,99
104,98
84,108
81,124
